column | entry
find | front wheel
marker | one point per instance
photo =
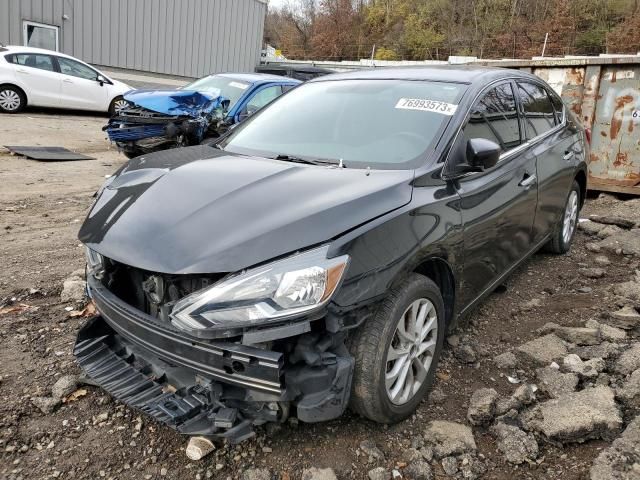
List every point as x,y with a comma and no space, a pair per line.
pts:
564,232
117,105
397,351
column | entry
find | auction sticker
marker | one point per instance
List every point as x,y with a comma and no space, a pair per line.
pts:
427,105
241,86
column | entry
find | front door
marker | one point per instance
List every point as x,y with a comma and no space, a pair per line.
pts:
498,205
80,86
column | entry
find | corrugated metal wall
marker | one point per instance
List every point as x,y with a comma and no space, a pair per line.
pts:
180,37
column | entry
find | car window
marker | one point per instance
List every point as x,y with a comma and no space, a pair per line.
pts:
495,118
538,110
558,107
263,97
43,62
220,85
76,69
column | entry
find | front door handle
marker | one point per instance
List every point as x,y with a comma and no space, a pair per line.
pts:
527,181
66,80
568,155
22,70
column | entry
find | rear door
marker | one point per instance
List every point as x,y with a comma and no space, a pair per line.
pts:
498,205
38,73
80,87
554,145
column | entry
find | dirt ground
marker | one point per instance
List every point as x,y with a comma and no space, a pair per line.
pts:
41,208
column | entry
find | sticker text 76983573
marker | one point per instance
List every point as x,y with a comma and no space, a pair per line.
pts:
426,105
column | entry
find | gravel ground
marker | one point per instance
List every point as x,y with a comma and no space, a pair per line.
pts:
92,436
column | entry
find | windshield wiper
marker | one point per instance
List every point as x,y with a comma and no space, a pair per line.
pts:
308,161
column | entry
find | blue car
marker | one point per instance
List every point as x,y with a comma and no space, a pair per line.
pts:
203,110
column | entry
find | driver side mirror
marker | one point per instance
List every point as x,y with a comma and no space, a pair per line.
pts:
482,154
101,80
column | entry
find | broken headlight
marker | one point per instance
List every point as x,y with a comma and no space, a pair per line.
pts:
95,263
292,286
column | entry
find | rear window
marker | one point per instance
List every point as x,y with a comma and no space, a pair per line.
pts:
539,114
42,62
387,124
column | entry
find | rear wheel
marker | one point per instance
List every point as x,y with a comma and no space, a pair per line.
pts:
117,104
397,352
563,235
12,99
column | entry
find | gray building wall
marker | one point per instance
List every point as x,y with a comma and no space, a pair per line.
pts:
179,37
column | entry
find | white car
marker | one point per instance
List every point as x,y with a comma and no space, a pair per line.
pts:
44,78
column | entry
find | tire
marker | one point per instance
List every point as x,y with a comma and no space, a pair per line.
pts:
114,105
12,99
371,344
132,153
561,240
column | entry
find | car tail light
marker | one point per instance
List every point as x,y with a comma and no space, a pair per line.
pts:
587,134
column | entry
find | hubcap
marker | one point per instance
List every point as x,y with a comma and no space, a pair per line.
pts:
411,351
120,105
9,100
570,217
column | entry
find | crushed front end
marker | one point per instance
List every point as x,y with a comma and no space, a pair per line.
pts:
218,384
152,123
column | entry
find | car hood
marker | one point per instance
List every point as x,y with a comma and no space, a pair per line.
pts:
175,102
201,210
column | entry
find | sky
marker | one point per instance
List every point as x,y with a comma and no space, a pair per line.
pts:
276,3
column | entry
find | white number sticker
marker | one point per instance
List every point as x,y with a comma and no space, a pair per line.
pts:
241,86
427,105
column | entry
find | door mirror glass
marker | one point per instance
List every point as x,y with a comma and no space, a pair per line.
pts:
101,80
482,154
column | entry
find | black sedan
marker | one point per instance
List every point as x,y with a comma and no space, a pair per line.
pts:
315,257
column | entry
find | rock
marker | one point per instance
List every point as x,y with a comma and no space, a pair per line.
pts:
65,385
577,335
465,353
542,351
625,241
602,261
621,461
554,383
371,449
531,304
47,405
101,417
379,473
418,470
593,247
449,438
629,360
627,317
471,467
613,220
450,465
314,473
410,455
482,406
506,360
590,228
197,448
453,340
504,405
256,474
589,369
592,272
437,396
73,290
575,417
525,394
585,290
604,350
516,445
608,231
612,334
629,290
629,393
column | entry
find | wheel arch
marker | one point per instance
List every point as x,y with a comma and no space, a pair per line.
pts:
581,178
440,272
18,87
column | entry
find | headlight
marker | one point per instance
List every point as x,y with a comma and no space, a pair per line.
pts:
298,284
95,263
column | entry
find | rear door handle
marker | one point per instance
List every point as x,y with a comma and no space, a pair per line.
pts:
66,80
527,181
568,155
22,70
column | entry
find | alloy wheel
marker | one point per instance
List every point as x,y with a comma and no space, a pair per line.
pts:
120,105
411,351
570,217
9,100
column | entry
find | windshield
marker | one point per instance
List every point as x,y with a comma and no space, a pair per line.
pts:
386,124
219,85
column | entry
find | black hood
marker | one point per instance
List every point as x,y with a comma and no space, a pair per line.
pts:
201,210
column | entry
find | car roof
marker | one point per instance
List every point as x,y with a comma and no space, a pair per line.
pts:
440,73
294,68
20,49
259,78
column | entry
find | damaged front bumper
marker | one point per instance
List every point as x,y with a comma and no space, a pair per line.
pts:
213,388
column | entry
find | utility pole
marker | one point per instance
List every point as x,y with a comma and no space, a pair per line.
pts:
544,47
373,52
